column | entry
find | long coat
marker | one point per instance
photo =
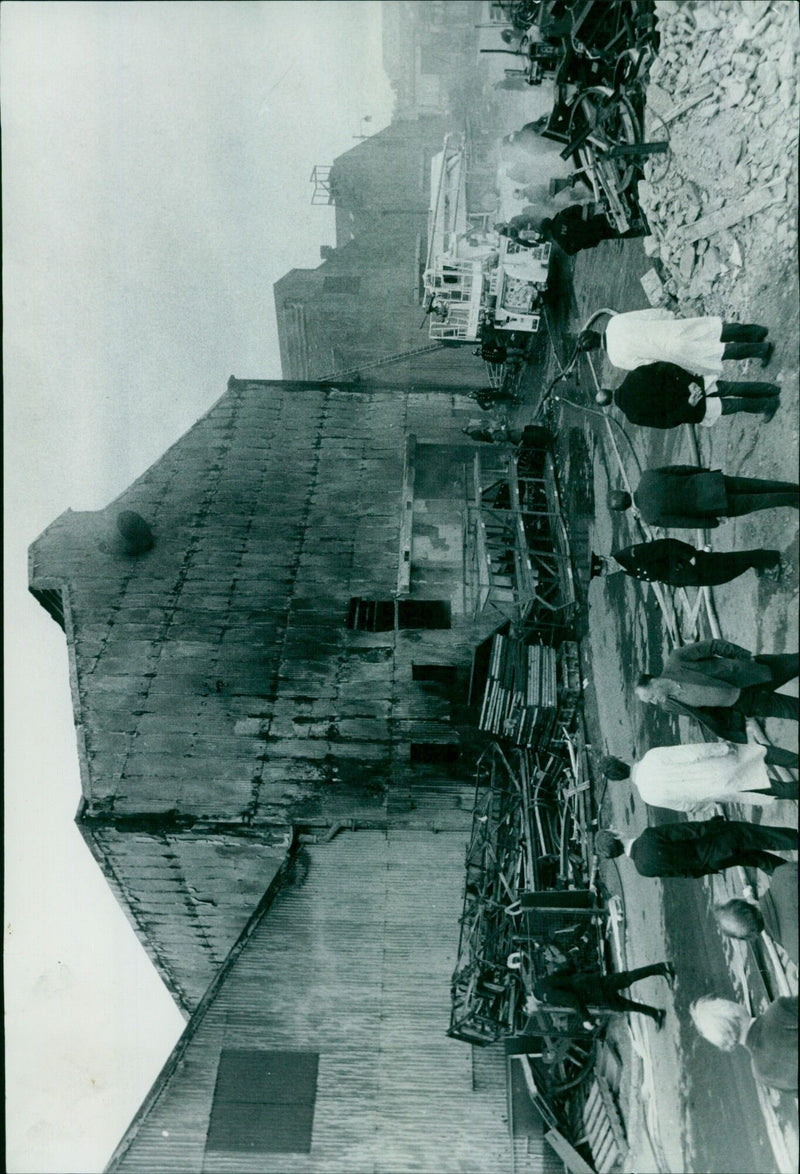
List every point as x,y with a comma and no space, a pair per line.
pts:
657,396
664,560
682,496
706,662
715,660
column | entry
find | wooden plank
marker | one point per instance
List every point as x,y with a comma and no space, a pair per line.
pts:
568,1154
718,221
681,108
406,517
612,1112
608,1160
605,1145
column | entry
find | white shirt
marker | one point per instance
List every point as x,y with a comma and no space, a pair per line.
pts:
657,336
683,777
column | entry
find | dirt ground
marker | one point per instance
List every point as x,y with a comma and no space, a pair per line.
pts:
706,1113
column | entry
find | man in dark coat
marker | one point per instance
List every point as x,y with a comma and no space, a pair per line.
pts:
720,684
663,395
699,847
574,228
579,990
668,560
689,497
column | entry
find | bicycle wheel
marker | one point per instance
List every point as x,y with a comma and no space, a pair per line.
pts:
610,121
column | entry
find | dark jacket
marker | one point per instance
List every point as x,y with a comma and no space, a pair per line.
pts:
665,560
680,849
682,496
657,396
571,232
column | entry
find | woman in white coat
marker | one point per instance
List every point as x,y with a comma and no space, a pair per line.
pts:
699,345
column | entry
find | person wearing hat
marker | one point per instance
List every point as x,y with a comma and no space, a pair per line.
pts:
679,564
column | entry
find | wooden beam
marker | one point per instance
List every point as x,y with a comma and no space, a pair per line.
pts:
406,517
568,1154
726,217
687,104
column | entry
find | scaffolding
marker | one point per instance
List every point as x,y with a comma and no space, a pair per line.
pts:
323,187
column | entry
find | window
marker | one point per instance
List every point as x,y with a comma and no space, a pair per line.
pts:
445,674
263,1102
435,752
384,615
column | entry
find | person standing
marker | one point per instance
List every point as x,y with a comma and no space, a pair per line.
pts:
685,776
719,684
775,913
579,990
699,847
699,345
679,564
575,228
663,395
771,1038
688,497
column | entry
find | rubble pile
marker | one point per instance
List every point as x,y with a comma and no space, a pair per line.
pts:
741,59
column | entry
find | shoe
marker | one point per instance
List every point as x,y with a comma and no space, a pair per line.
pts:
669,974
772,573
766,358
770,407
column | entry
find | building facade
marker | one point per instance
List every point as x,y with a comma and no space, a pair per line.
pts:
291,651
322,1046
270,639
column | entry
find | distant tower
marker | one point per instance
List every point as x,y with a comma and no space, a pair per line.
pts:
323,191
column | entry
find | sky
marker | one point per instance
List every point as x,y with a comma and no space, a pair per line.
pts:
156,164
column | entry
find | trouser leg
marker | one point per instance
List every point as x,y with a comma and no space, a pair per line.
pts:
761,701
747,350
747,495
754,485
777,756
720,567
740,504
742,332
726,387
783,666
754,858
733,843
732,404
611,983
783,788
753,835
620,1003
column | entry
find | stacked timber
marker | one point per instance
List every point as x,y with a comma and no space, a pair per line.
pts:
521,690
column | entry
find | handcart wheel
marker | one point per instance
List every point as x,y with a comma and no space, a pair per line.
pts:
612,122
569,1067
